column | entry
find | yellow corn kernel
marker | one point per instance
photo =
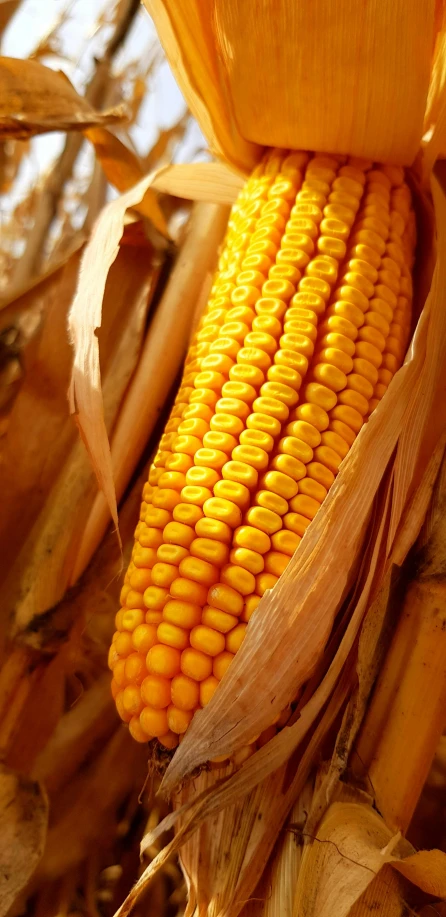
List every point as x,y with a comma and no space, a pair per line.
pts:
153,722
123,644
185,694
196,664
155,691
235,638
208,688
178,719
131,700
218,620
137,732
163,660
221,664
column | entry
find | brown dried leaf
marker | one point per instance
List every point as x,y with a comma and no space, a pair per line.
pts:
427,870
99,787
351,846
384,896
123,169
11,155
36,100
23,817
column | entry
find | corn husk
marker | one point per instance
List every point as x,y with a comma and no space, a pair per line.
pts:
298,75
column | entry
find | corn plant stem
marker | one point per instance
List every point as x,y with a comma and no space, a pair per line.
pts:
407,714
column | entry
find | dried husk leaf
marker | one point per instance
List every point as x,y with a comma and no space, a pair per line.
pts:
160,360
351,846
213,183
23,816
186,34
385,895
373,643
238,65
274,895
36,99
123,169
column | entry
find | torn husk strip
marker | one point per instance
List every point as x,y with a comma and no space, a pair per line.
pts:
274,894
407,708
281,649
213,183
275,93
160,361
372,644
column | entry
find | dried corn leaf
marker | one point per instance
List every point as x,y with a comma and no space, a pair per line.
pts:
210,182
23,816
161,357
385,895
36,99
373,643
351,846
123,169
427,870
274,895
407,708
100,786
238,64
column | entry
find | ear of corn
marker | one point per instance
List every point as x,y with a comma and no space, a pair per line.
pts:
307,322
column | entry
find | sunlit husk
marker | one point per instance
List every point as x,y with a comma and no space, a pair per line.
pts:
280,78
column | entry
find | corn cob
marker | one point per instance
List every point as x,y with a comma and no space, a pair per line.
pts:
307,322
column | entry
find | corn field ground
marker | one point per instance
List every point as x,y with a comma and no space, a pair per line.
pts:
343,812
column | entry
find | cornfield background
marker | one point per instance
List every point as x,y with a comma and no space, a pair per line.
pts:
76,794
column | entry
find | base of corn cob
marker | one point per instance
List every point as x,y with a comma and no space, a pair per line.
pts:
308,320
